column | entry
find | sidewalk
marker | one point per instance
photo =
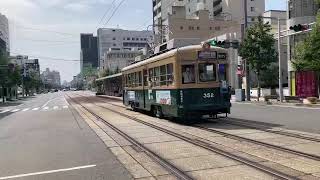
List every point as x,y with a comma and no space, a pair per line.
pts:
110,97
277,103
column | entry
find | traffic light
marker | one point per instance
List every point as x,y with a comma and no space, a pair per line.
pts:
299,27
213,43
224,44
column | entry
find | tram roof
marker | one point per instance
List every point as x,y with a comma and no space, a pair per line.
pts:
109,77
167,54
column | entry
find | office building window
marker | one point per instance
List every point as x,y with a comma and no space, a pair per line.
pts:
181,27
252,9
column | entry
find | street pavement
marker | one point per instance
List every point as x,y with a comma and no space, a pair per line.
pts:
296,118
43,137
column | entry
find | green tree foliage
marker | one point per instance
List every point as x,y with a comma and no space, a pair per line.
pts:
307,52
258,48
106,72
89,71
270,76
32,82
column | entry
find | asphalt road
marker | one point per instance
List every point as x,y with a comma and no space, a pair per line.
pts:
44,138
295,118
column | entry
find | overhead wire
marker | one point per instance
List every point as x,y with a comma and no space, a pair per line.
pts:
113,13
48,58
106,12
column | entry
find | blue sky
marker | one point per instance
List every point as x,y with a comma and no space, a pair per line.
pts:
276,4
33,24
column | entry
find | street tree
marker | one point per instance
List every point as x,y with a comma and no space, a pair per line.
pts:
307,53
3,73
258,48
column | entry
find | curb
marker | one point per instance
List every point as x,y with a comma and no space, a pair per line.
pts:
283,104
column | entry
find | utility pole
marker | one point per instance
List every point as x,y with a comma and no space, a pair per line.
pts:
247,72
280,66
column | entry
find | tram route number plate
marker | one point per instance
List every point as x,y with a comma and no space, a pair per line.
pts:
208,95
207,55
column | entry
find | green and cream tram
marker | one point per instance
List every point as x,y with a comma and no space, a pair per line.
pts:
187,82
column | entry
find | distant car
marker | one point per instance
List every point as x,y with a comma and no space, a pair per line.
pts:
56,90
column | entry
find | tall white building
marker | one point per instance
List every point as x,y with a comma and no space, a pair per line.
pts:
4,33
112,41
218,9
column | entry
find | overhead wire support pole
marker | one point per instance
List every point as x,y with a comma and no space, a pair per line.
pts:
280,66
247,72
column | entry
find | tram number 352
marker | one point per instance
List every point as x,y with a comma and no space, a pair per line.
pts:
208,95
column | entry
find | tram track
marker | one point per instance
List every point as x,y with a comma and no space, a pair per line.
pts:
200,143
247,125
164,163
240,138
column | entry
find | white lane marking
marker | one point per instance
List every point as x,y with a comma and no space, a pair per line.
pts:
47,172
51,99
55,107
16,110
4,111
35,109
65,107
45,108
26,109
65,100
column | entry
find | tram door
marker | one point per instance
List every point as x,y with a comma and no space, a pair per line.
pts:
145,84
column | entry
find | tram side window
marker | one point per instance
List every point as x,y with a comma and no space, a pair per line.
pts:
222,72
139,78
145,77
129,80
163,75
170,74
188,74
156,76
150,80
207,72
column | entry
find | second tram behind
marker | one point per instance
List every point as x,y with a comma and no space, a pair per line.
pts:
187,82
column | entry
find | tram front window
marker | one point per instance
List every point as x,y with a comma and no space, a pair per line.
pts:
207,72
188,74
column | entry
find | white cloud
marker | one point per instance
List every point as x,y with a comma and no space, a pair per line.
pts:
79,7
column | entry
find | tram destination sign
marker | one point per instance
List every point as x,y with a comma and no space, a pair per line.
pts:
222,56
207,55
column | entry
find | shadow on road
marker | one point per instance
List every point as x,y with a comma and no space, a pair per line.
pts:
233,123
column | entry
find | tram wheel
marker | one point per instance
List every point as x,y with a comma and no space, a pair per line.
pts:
157,112
133,107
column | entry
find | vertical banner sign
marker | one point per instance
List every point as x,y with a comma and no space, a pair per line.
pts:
306,84
163,97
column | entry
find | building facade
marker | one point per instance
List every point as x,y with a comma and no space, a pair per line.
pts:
28,66
272,17
199,27
51,78
89,51
4,34
218,9
299,12
114,44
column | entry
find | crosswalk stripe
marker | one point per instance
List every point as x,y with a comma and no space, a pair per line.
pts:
4,111
16,110
45,108
35,109
26,109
